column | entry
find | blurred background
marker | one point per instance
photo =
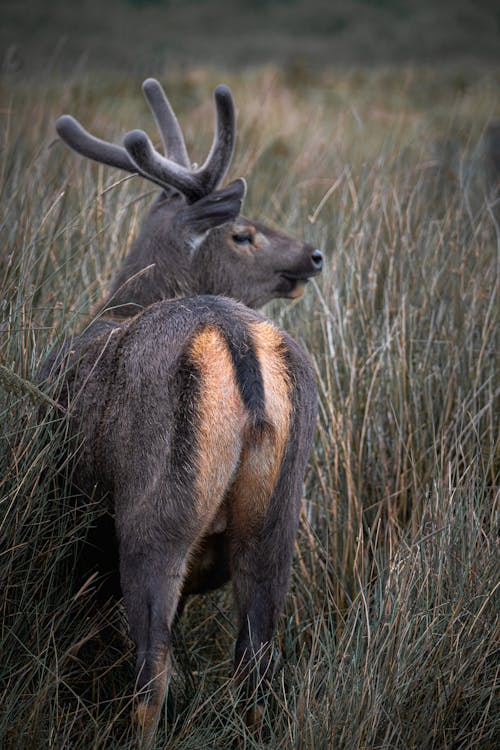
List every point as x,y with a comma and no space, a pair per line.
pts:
154,34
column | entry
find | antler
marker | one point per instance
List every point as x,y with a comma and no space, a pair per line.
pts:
168,125
140,156
194,184
77,138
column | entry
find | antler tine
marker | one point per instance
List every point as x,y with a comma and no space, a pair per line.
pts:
219,158
194,184
77,138
168,125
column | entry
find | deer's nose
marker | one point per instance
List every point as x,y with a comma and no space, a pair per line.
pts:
317,260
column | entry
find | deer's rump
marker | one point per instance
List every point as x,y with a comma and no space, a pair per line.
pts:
185,412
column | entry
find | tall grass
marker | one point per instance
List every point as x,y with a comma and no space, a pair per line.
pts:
388,634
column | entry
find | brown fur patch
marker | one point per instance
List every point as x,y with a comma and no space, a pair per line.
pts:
148,711
221,421
258,239
146,715
254,717
263,453
298,290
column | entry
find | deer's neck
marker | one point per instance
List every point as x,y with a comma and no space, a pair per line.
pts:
155,269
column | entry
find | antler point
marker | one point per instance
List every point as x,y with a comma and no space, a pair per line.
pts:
150,83
133,137
222,91
64,120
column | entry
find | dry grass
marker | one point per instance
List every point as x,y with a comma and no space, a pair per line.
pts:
388,638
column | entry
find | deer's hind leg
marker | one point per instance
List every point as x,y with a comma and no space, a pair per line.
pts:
158,533
154,558
152,569
263,526
265,502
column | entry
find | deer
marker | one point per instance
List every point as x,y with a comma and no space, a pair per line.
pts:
194,413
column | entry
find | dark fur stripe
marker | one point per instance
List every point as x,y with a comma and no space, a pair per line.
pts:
248,374
242,351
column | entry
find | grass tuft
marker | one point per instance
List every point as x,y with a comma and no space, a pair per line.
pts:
388,634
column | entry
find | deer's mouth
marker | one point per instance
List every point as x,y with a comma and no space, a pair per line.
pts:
292,286
304,274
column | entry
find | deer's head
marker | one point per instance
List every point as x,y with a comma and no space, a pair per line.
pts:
195,240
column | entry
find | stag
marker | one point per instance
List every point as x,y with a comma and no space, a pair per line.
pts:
195,414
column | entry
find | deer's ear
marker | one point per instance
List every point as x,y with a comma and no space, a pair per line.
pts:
215,209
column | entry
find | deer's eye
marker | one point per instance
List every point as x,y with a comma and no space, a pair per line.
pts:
242,238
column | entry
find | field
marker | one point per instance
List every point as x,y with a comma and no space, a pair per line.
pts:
388,635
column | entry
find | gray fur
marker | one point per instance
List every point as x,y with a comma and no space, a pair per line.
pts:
132,395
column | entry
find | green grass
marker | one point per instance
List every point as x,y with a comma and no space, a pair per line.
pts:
388,633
